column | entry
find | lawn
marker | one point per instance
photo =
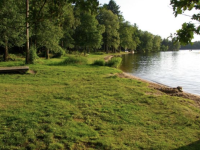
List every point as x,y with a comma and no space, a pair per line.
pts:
85,107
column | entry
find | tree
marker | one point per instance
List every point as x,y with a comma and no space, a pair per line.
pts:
70,20
113,7
11,25
111,36
49,35
146,44
186,34
128,36
43,10
156,43
89,33
169,45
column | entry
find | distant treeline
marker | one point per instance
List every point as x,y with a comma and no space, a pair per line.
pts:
196,45
62,26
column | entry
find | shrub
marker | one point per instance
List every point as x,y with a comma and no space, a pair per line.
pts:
59,54
74,60
33,55
114,62
98,53
12,57
99,62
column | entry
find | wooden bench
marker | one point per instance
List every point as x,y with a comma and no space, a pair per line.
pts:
19,69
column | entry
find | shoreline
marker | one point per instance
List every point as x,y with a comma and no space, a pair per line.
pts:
164,89
160,87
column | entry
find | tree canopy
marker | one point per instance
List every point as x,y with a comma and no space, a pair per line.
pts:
186,34
59,27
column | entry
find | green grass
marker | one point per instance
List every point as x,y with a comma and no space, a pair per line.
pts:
89,107
114,62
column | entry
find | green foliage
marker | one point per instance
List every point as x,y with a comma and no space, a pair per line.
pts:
168,45
59,53
89,33
48,35
164,48
146,44
74,61
110,21
128,36
185,35
113,7
33,55
11,25
99,62
98,53
196,45
114,62
12,57
156,43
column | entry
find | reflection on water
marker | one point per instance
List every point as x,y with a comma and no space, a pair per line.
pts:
181,68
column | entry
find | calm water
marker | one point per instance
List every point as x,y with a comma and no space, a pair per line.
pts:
181,68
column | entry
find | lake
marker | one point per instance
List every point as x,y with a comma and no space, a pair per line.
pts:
177,68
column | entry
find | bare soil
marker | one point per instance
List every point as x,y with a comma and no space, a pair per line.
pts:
107,58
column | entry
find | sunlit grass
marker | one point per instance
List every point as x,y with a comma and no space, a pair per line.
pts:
89,107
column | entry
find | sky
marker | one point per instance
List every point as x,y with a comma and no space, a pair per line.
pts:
154,16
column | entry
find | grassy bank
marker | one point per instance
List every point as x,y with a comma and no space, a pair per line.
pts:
89,107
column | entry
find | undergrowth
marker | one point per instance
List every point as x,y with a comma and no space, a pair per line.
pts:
114,62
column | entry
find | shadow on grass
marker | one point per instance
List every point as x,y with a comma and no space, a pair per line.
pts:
192,146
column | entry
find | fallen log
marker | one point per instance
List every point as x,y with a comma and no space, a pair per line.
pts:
19,69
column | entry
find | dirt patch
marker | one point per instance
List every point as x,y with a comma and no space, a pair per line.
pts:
107,58
164,89
32,72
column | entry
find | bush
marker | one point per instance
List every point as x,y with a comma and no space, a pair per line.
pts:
12,57
99,62
74,60
114,62
59,54
98,53
33,55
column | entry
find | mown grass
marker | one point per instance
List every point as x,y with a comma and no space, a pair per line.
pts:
89,107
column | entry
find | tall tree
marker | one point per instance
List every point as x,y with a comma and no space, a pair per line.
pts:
128,36
89,33
113,7
49,35
186,34
111,36
156,43
11,25
146,44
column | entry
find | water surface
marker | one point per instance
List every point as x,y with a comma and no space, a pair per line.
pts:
179,68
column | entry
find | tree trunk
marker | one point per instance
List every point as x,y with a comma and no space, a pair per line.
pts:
85,51
47,53
27,32
6,51
106,48
120,48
